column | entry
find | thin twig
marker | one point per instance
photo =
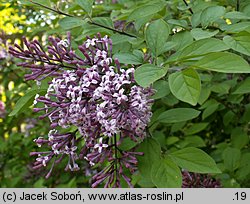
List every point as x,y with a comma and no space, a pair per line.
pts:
116,156
112,29
90,22
191,11
237,5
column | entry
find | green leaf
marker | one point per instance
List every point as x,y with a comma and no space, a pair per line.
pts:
196,19
171,140
177,126
152,152
211,14
156,35
118,38
91,29
181,23
86,5
162,89
69,184
243,171
239,138
236,15
205,93
246,9
142,21
145,182
176,115
160,137
228,117
186,86
195,128
105,21
142,181
210,110
24,102
199,33
222,88
192,141
68,23
194,160
170,100
127,144
182,39
166,174
128,58
236,27
200,47
243,87
145,11
148,73
168,46
39,183
223,62
231,157
240,42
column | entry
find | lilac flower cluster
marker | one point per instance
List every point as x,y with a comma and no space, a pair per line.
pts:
95,96
196,180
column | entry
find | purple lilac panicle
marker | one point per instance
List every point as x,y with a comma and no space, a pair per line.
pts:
196,180
94,95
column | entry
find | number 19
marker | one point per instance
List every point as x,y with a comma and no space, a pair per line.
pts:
241,196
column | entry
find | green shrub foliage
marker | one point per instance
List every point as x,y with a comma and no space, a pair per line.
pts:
188,60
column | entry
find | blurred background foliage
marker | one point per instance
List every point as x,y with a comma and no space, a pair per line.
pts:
223,128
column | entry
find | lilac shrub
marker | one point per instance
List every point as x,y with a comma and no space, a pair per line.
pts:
93,95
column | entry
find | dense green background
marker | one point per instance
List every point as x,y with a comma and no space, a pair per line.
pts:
197,58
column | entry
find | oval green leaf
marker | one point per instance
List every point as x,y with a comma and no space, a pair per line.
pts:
231,157
223,62
166,174
243,87
68,23
198,48
186,86
176,115
128,58
162,89
211,14
156,35
86,5
194,160
146,10
199,33
149,73
237,15
152,152
239,42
